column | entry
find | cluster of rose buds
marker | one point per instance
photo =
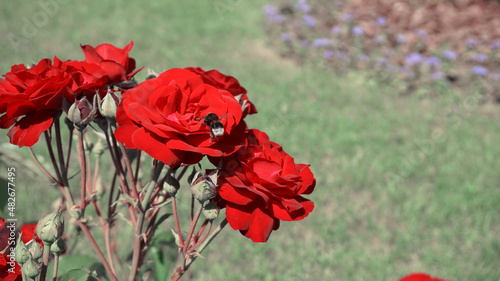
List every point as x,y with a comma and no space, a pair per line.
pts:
49,229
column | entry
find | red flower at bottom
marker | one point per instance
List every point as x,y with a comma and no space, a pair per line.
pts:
9,269
261,185
420,277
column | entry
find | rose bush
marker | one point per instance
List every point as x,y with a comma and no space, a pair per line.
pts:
165,117
261,185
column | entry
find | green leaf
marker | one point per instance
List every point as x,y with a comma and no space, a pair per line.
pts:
160,266
76,262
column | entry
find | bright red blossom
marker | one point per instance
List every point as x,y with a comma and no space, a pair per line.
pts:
5,266
165,117
28,231
420,277
261,185
115,61
225,82
30,98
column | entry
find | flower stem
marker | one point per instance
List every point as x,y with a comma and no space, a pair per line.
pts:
45,261
56,267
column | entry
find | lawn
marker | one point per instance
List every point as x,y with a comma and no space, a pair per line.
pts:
404,184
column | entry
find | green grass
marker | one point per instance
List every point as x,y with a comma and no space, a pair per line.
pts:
384,206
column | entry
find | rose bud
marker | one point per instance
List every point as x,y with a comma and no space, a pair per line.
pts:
58,246
50,227
31,268
74,114
35,249
108,106
210,210
171,185
203,188
21,252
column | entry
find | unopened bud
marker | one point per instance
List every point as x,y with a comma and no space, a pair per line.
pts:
210,210
203,188
35,249
50,227
171,185
108,105
74,114
31,268
21,252
58,246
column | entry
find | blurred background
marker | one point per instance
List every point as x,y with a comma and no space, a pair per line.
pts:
393,103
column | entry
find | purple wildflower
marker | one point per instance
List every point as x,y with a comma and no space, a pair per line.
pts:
437,75
273,14
449,54
346,17
321,42
381,21
470,43
310,21
495,45
433,61
400,38
285,37
357,31
479,70
303,6
362,57
480,58
413,58
421,33
379,39
336,29
328,54
304,43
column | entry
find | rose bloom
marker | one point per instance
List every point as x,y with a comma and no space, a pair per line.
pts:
420,277
229,83
165,117
5,275
30,98
28,231
116,63
261,185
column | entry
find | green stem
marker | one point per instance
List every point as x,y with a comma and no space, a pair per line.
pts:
140,222
56,267
45,261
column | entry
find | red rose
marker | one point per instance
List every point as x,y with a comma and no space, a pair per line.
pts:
9,272
28,231
116,63
229,83
35,95
262,185
420,277
166,118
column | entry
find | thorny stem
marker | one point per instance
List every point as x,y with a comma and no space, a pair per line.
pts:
214,234
56,267
45,261
83,166
85,229
139,235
